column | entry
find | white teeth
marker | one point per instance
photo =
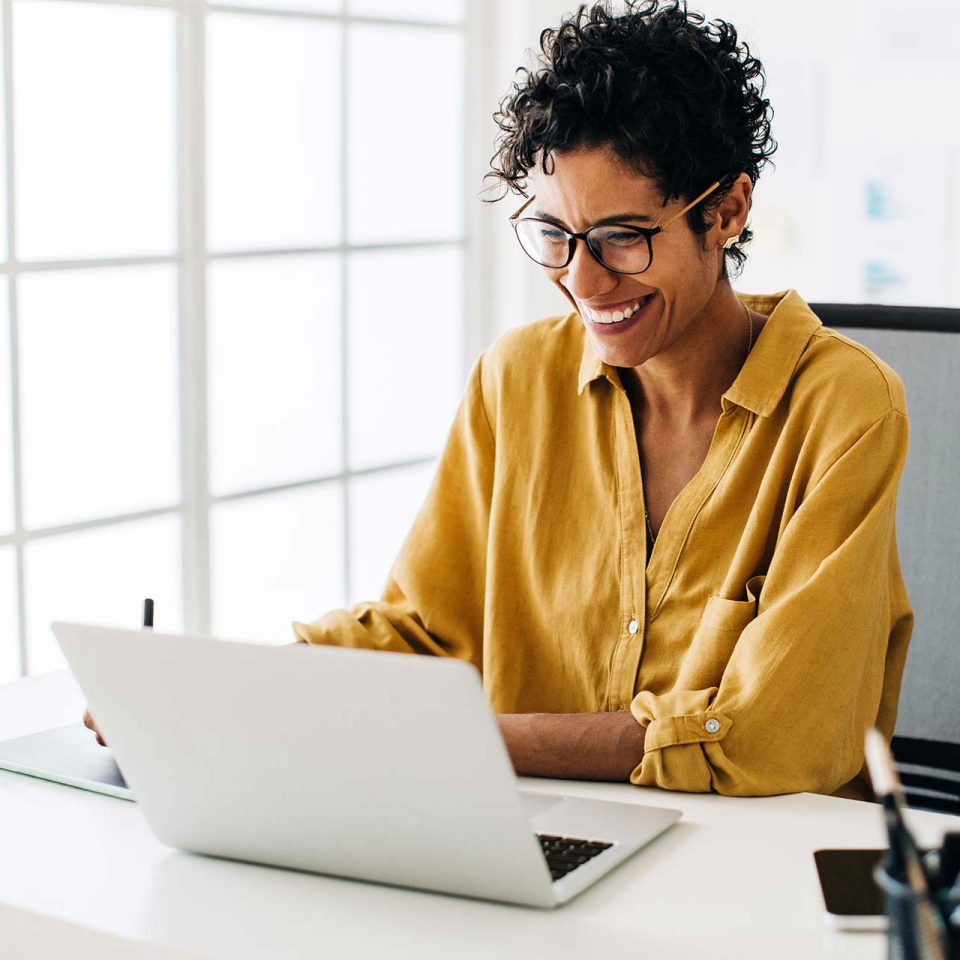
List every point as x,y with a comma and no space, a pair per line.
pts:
615,316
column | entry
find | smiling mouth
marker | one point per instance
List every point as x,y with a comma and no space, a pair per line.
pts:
616,316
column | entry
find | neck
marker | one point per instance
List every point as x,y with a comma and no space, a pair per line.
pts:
682,385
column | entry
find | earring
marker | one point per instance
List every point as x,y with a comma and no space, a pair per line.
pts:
730,242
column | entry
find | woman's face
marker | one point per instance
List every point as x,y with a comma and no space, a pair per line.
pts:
591,184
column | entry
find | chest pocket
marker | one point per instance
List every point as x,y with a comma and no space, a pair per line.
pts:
723,614
716,636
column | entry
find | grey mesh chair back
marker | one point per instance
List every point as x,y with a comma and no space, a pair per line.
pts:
923,345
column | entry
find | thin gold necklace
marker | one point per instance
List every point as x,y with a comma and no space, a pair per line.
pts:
646,516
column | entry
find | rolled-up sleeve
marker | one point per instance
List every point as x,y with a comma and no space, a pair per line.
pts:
433,601
808,649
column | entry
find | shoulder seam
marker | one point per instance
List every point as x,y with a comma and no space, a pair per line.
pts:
830,333
843,448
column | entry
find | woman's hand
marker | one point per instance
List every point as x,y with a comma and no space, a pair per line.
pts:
88,722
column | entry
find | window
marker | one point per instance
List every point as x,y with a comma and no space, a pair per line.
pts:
232,309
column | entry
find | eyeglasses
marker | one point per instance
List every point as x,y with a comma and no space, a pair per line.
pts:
618,247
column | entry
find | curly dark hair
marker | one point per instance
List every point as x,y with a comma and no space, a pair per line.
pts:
672,96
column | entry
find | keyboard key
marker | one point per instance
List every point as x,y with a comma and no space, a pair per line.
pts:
576,858
564,854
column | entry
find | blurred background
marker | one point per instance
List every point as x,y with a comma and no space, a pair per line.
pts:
246,267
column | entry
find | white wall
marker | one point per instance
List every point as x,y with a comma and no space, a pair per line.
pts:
516,291
864,202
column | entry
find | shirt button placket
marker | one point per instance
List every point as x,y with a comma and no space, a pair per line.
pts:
628,654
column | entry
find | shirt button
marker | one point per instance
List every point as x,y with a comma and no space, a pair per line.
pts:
712,725
633,626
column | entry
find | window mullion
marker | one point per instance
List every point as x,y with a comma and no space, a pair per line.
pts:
345,304
192,308
14,390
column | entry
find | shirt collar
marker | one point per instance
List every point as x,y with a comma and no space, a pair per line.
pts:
763,379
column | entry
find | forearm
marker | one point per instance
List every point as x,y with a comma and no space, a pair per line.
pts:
573,746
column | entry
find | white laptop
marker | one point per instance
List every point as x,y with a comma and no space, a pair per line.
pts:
384,767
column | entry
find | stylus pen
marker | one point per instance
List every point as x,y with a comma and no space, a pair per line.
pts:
148,614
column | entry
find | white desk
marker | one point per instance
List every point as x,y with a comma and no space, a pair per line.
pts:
734,878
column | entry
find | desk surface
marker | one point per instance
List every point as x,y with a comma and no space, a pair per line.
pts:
734,878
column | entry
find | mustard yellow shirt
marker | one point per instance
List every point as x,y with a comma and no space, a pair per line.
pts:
769,629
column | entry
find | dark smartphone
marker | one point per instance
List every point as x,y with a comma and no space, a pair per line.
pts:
851,897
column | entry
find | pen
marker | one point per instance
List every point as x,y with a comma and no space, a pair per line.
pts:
902,861
948,871
148,614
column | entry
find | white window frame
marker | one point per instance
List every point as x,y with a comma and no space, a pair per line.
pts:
192,259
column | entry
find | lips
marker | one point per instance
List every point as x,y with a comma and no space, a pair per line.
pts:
615,313
607,322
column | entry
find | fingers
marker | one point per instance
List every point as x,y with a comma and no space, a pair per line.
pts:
90,725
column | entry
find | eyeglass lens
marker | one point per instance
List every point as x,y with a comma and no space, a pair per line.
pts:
616,248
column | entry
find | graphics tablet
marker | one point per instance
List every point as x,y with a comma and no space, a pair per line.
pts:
69,755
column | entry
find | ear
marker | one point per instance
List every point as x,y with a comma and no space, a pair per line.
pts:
733,211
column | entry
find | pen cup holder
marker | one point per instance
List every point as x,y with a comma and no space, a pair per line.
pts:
912,935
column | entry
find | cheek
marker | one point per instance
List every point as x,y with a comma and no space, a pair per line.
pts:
556,278
682,279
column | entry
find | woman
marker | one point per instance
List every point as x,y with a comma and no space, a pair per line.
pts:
662,525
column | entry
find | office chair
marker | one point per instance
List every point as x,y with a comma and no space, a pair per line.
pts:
923,345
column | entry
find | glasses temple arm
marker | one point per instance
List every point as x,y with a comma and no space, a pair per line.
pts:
692,203
524,207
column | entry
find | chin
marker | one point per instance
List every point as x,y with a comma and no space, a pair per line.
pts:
616,356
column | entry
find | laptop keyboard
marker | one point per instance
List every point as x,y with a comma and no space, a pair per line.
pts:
567,853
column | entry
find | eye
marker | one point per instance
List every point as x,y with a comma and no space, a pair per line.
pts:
551,235
619,238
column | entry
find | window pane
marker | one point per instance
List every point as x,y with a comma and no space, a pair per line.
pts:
405,372
275,559
274,371
273,95
439,11
382,508
98,355
3,157
406,137
6,412
9,634
315,6
95,129
101,576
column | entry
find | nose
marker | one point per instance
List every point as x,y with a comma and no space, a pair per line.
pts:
585,277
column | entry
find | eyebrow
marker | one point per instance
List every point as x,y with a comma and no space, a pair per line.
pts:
616,218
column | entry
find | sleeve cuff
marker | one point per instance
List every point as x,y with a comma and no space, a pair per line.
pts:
337,628
681,716
693,728
683,721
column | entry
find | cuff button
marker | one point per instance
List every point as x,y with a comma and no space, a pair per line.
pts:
712,725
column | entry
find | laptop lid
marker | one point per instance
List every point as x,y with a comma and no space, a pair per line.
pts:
379,766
